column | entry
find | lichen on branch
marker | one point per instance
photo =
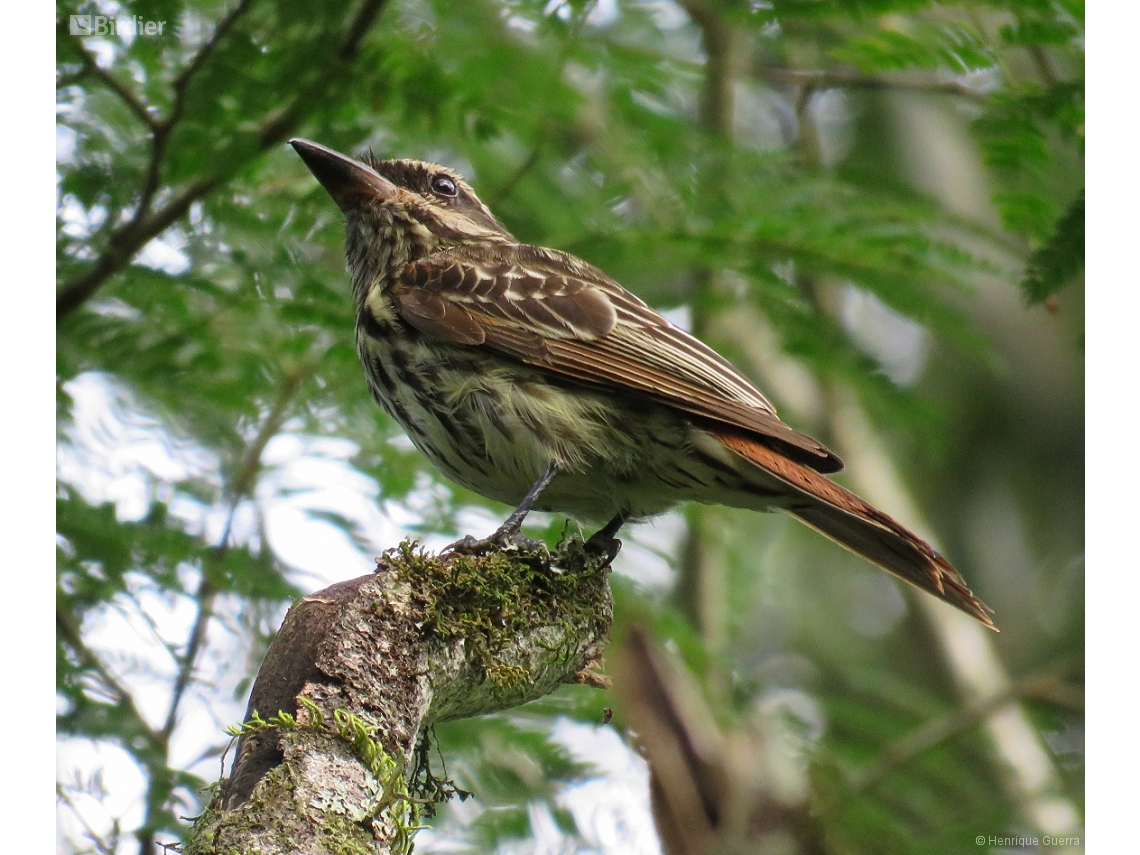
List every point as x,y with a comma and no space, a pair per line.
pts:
359,670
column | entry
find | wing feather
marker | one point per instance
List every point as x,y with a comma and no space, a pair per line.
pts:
550,309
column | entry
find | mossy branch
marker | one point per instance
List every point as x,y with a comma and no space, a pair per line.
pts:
360,669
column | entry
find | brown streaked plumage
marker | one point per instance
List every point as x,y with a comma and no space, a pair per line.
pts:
531,377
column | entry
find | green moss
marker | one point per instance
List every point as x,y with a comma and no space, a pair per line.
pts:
276,786
200,839
491,600
342,835
340,832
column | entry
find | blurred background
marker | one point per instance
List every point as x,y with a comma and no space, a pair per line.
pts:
875,208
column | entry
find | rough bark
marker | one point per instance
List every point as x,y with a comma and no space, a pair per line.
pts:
358,670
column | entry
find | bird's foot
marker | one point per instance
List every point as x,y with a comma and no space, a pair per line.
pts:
508,537
603,548
503,540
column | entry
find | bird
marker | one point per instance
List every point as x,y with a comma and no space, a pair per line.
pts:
532,378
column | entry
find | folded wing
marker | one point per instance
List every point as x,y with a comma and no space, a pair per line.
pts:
549,309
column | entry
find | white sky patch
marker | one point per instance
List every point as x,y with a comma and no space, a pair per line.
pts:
102,49
898,343
520,23
679,316
667,15
308,476
116,453
831,113
762,119
611,811
129,635
79,222
647,550
65,141
104,785
165,253
604,13
559,8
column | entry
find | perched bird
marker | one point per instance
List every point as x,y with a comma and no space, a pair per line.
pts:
533,378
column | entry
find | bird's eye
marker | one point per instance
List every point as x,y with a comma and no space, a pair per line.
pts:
444,186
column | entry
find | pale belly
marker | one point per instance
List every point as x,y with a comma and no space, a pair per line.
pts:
495,426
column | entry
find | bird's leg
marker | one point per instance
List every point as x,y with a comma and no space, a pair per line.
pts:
508,533
513,523
604,543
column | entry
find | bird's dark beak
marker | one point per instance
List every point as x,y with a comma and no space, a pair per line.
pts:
348,181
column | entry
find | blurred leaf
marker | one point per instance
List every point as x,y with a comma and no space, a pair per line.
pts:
1058,260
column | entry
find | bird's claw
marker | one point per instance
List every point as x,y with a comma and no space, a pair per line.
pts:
500,541
604,549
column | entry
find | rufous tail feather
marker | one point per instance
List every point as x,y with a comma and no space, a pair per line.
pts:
860,527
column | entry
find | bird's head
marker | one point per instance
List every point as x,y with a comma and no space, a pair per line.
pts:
397,211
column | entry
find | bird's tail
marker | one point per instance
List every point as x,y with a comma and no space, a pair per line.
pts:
860,527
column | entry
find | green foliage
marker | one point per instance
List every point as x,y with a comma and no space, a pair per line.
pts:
931,46
868,713
508,763
201,276
1054,264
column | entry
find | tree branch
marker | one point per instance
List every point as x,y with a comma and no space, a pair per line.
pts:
101,846
91,67
846,78
359,28
244,482
68,630
943,728
145,225
162,132
715,786
361,668
721,47
530,162
703,584
127,240
182,81
827,78
124,242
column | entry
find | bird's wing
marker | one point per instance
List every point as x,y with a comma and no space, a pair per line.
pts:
549,309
